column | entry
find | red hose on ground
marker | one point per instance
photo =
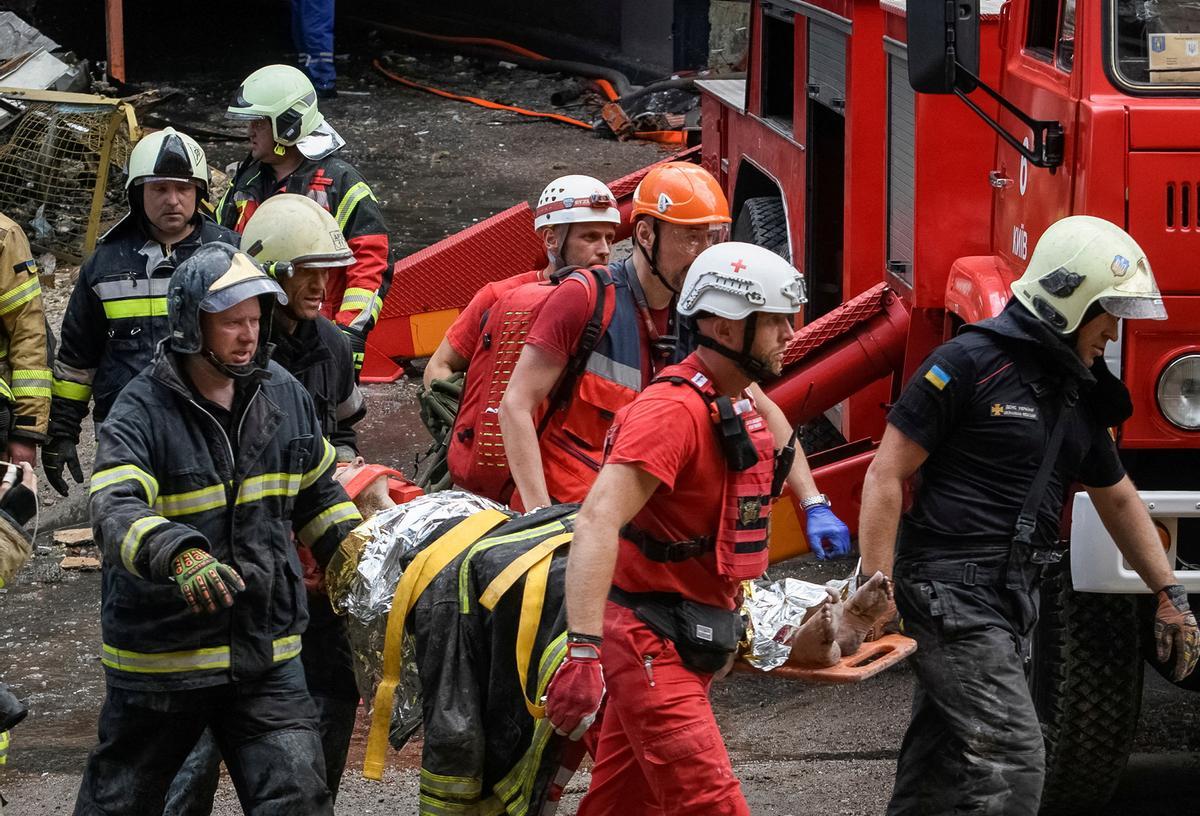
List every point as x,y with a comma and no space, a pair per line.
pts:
483,103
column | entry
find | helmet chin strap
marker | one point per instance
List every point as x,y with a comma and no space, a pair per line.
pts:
754,368
233,372
652,259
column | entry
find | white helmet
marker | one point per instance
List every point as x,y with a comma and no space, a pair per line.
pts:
1081,260
575,200
734,280
168,155
295,230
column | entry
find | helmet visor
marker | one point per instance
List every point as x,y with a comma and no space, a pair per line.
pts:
1135,308
243,280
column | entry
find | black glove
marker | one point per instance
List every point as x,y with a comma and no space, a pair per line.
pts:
12,710
58,453
358,347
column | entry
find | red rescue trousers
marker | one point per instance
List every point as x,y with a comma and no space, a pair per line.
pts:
660,752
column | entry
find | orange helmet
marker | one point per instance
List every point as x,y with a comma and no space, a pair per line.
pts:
682,193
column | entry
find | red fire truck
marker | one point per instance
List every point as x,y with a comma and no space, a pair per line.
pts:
911,213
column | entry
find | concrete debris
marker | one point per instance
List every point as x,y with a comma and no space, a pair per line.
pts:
74,562
27,60
73,537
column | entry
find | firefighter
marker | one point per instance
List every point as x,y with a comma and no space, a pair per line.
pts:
211,459
576,219
299,244
678,211
18,506
996,424
676,520
117,313
293,150
24,370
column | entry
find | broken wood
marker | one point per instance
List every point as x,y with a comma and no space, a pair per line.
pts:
74,562
73,537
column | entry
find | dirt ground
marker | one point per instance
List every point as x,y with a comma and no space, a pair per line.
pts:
437,166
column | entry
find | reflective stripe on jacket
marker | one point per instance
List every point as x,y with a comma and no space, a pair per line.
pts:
354,294
169,477
24,361
115,319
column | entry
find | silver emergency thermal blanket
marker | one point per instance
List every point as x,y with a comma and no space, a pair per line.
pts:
362,582
774,611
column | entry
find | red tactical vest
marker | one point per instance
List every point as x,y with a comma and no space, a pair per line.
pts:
476,457
741,541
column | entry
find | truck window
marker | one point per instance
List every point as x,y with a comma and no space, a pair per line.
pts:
778,67
1155,44
1051,32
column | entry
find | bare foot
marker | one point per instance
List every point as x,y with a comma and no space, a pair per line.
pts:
815,644
867,605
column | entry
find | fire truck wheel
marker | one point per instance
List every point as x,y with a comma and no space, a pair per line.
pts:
762,221
1086,679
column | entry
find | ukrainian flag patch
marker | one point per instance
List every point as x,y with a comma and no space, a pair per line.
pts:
937,377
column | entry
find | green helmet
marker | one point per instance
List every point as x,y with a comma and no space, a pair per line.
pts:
293,230
168,154
214,278
283,95
1080,261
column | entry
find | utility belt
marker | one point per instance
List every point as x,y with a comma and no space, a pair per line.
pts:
704,636
667,552
1013,564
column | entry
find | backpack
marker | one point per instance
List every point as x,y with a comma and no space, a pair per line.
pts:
476,457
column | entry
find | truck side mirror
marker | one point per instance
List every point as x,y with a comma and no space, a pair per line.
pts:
943,35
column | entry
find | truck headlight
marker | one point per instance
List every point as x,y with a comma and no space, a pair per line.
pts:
1179,392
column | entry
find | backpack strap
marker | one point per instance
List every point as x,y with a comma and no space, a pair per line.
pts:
598,282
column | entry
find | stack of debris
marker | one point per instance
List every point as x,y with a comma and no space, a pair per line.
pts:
30,59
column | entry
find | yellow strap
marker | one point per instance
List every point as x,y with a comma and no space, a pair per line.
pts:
420,573
519,566
531,618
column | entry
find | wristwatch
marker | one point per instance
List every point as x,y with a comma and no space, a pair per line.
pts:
813,501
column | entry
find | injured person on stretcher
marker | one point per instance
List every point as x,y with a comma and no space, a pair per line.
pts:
455,612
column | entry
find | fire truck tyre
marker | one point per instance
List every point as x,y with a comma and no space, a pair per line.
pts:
1086,679
762,221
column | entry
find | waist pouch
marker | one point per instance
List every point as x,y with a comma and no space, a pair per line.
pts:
705,636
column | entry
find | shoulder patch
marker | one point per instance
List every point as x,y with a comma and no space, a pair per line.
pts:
29,266
937,377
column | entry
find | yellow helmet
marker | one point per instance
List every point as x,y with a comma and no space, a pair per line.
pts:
293,229
1082,260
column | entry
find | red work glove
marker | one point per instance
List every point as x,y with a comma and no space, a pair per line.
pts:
1175,630
575,692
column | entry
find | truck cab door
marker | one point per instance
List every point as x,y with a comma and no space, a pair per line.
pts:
1038,76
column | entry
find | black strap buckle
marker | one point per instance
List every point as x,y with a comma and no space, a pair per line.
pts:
1024,531
970,571
668,552
1045,557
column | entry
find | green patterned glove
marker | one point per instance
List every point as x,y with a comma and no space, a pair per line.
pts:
205,581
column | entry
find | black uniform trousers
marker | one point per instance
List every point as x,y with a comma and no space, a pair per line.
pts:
329,677
266,728
974,744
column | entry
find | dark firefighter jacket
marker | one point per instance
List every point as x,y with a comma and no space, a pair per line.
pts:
168,477
357,294
318,355
24,363
115,319
483,747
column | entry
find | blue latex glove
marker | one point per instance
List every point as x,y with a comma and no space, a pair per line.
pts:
828,537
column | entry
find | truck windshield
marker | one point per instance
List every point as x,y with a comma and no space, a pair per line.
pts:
1155,45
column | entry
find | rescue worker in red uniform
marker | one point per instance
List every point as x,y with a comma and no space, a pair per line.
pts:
293,150
576,219
676,520
679,210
